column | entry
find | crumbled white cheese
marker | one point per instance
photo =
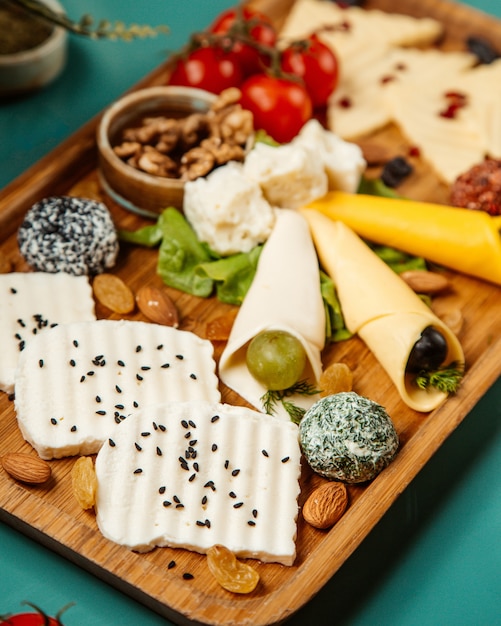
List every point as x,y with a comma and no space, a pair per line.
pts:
228,211
74,382
194,474
343,161
30,303
290,175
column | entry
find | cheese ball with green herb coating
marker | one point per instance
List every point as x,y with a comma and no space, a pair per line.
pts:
347,437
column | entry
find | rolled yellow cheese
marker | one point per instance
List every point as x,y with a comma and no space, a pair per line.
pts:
379,306
461,239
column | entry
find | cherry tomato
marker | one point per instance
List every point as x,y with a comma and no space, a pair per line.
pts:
250,24
209,68
280,107
316,64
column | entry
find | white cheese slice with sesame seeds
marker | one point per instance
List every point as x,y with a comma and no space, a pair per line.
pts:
194,474
76,381
31,302
284,295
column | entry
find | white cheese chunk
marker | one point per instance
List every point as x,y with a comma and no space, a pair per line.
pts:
228,211
290,175
75,381
343,161
194,474
31,302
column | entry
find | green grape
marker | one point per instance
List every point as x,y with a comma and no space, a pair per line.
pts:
276,359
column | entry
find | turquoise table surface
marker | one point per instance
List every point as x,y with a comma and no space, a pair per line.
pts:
434,559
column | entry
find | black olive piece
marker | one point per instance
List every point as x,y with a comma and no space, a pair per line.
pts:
482,49
429,351
395,171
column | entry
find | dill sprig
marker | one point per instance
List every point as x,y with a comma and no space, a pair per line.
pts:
446,379
273,397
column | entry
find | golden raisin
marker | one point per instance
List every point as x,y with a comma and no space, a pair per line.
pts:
84,482
230,573
113,293
219,328
335,378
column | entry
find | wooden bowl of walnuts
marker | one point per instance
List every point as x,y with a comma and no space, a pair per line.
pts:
152,141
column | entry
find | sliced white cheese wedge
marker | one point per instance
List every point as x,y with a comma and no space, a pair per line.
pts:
284,295
379,306
31,302
75,381
194,474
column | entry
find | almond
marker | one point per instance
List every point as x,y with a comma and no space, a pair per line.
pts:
26,467
325,505
422,281
157,306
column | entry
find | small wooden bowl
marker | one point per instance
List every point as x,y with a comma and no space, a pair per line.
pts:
133,189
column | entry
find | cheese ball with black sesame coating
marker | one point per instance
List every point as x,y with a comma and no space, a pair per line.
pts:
68,234
347,437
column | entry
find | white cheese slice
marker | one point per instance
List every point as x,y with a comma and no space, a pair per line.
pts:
378,305
75,381
31,302
194,474
284,295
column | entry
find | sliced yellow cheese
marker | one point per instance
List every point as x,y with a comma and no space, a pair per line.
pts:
379,306
284,295
460,239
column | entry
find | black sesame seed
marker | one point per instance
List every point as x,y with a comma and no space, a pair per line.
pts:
121,363
75,343
187,435
139,377
226,464
145,434
254,513
138,471
117,420
160,346
119,406
192,424
192,478
73,429
53,421
171,564
264,453
204,500
12,290
40,362
235,472
214,418
82,378
18,336
207,523
112,443
214,447
72,362
155,427
232,494
188,576
193,442
118,389
176,499
238,505
196,467
138,447
166,503
180,506
162,489
193,376
165,365
179,356
135,404
251,522
162,427
21,346
138,348
21,323
184,423
285,459
98,398
200,523
145,368
159,452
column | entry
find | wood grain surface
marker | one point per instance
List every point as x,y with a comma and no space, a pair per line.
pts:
51,514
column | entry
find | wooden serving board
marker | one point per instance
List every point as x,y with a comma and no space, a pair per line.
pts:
52,516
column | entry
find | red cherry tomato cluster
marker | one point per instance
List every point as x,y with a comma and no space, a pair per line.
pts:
280,87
